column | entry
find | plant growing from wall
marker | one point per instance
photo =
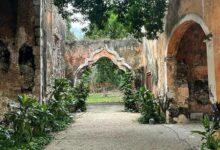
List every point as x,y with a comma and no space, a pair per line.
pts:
149,108
208,139
129,98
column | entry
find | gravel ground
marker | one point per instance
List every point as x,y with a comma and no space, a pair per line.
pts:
107,127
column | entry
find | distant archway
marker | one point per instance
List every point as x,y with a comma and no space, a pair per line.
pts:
189,61
100,53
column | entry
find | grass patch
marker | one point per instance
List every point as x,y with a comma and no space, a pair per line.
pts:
100,98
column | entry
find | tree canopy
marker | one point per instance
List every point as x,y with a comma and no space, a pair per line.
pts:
131,15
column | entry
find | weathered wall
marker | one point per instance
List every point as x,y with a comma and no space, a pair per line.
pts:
19,37
77,52
161,54
53,29
32,35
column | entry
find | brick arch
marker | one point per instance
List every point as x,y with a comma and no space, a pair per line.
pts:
100,53
172,48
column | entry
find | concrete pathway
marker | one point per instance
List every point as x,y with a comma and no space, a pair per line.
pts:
107,127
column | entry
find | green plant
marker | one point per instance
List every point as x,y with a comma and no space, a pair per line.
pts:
129,98
21,118
62,98
209,141
41,119
62,90
27,126
81,93
5,137
150,15
148,107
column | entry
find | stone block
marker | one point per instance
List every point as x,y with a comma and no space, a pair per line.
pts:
196,116
182,119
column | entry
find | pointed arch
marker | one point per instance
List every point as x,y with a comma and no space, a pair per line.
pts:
100,53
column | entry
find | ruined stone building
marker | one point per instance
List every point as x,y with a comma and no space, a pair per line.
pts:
183,65
32,36
126,54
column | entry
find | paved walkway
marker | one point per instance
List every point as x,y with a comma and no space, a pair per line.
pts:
107,127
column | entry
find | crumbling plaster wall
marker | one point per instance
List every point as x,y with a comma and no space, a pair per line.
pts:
78,51
156,51
32,36
19,26
53,41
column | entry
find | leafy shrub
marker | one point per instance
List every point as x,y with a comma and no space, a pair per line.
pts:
5,137
59,105
27,126
23,124
81,93
41,119
148,107
21,118
62,91
129,98
209,141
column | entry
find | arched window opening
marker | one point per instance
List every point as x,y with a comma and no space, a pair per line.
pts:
27,68
5,60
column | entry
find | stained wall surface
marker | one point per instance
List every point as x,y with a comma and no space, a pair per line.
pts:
77,52
161,55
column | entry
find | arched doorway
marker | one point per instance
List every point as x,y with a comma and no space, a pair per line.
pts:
190,75
100,53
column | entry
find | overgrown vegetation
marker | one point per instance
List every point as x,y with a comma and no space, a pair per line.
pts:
149,108
81,92
28,125
127,86
113,29
106,71
123,13
210,142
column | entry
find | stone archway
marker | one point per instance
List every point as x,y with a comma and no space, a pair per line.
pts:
100,53
189,61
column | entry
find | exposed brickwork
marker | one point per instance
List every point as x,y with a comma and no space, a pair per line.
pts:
32,36
77,53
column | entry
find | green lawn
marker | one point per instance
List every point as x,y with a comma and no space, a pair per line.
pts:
100,98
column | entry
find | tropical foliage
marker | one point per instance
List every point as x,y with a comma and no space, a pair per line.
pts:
28,124
131,15
113,29
127,87
208,138
149,108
